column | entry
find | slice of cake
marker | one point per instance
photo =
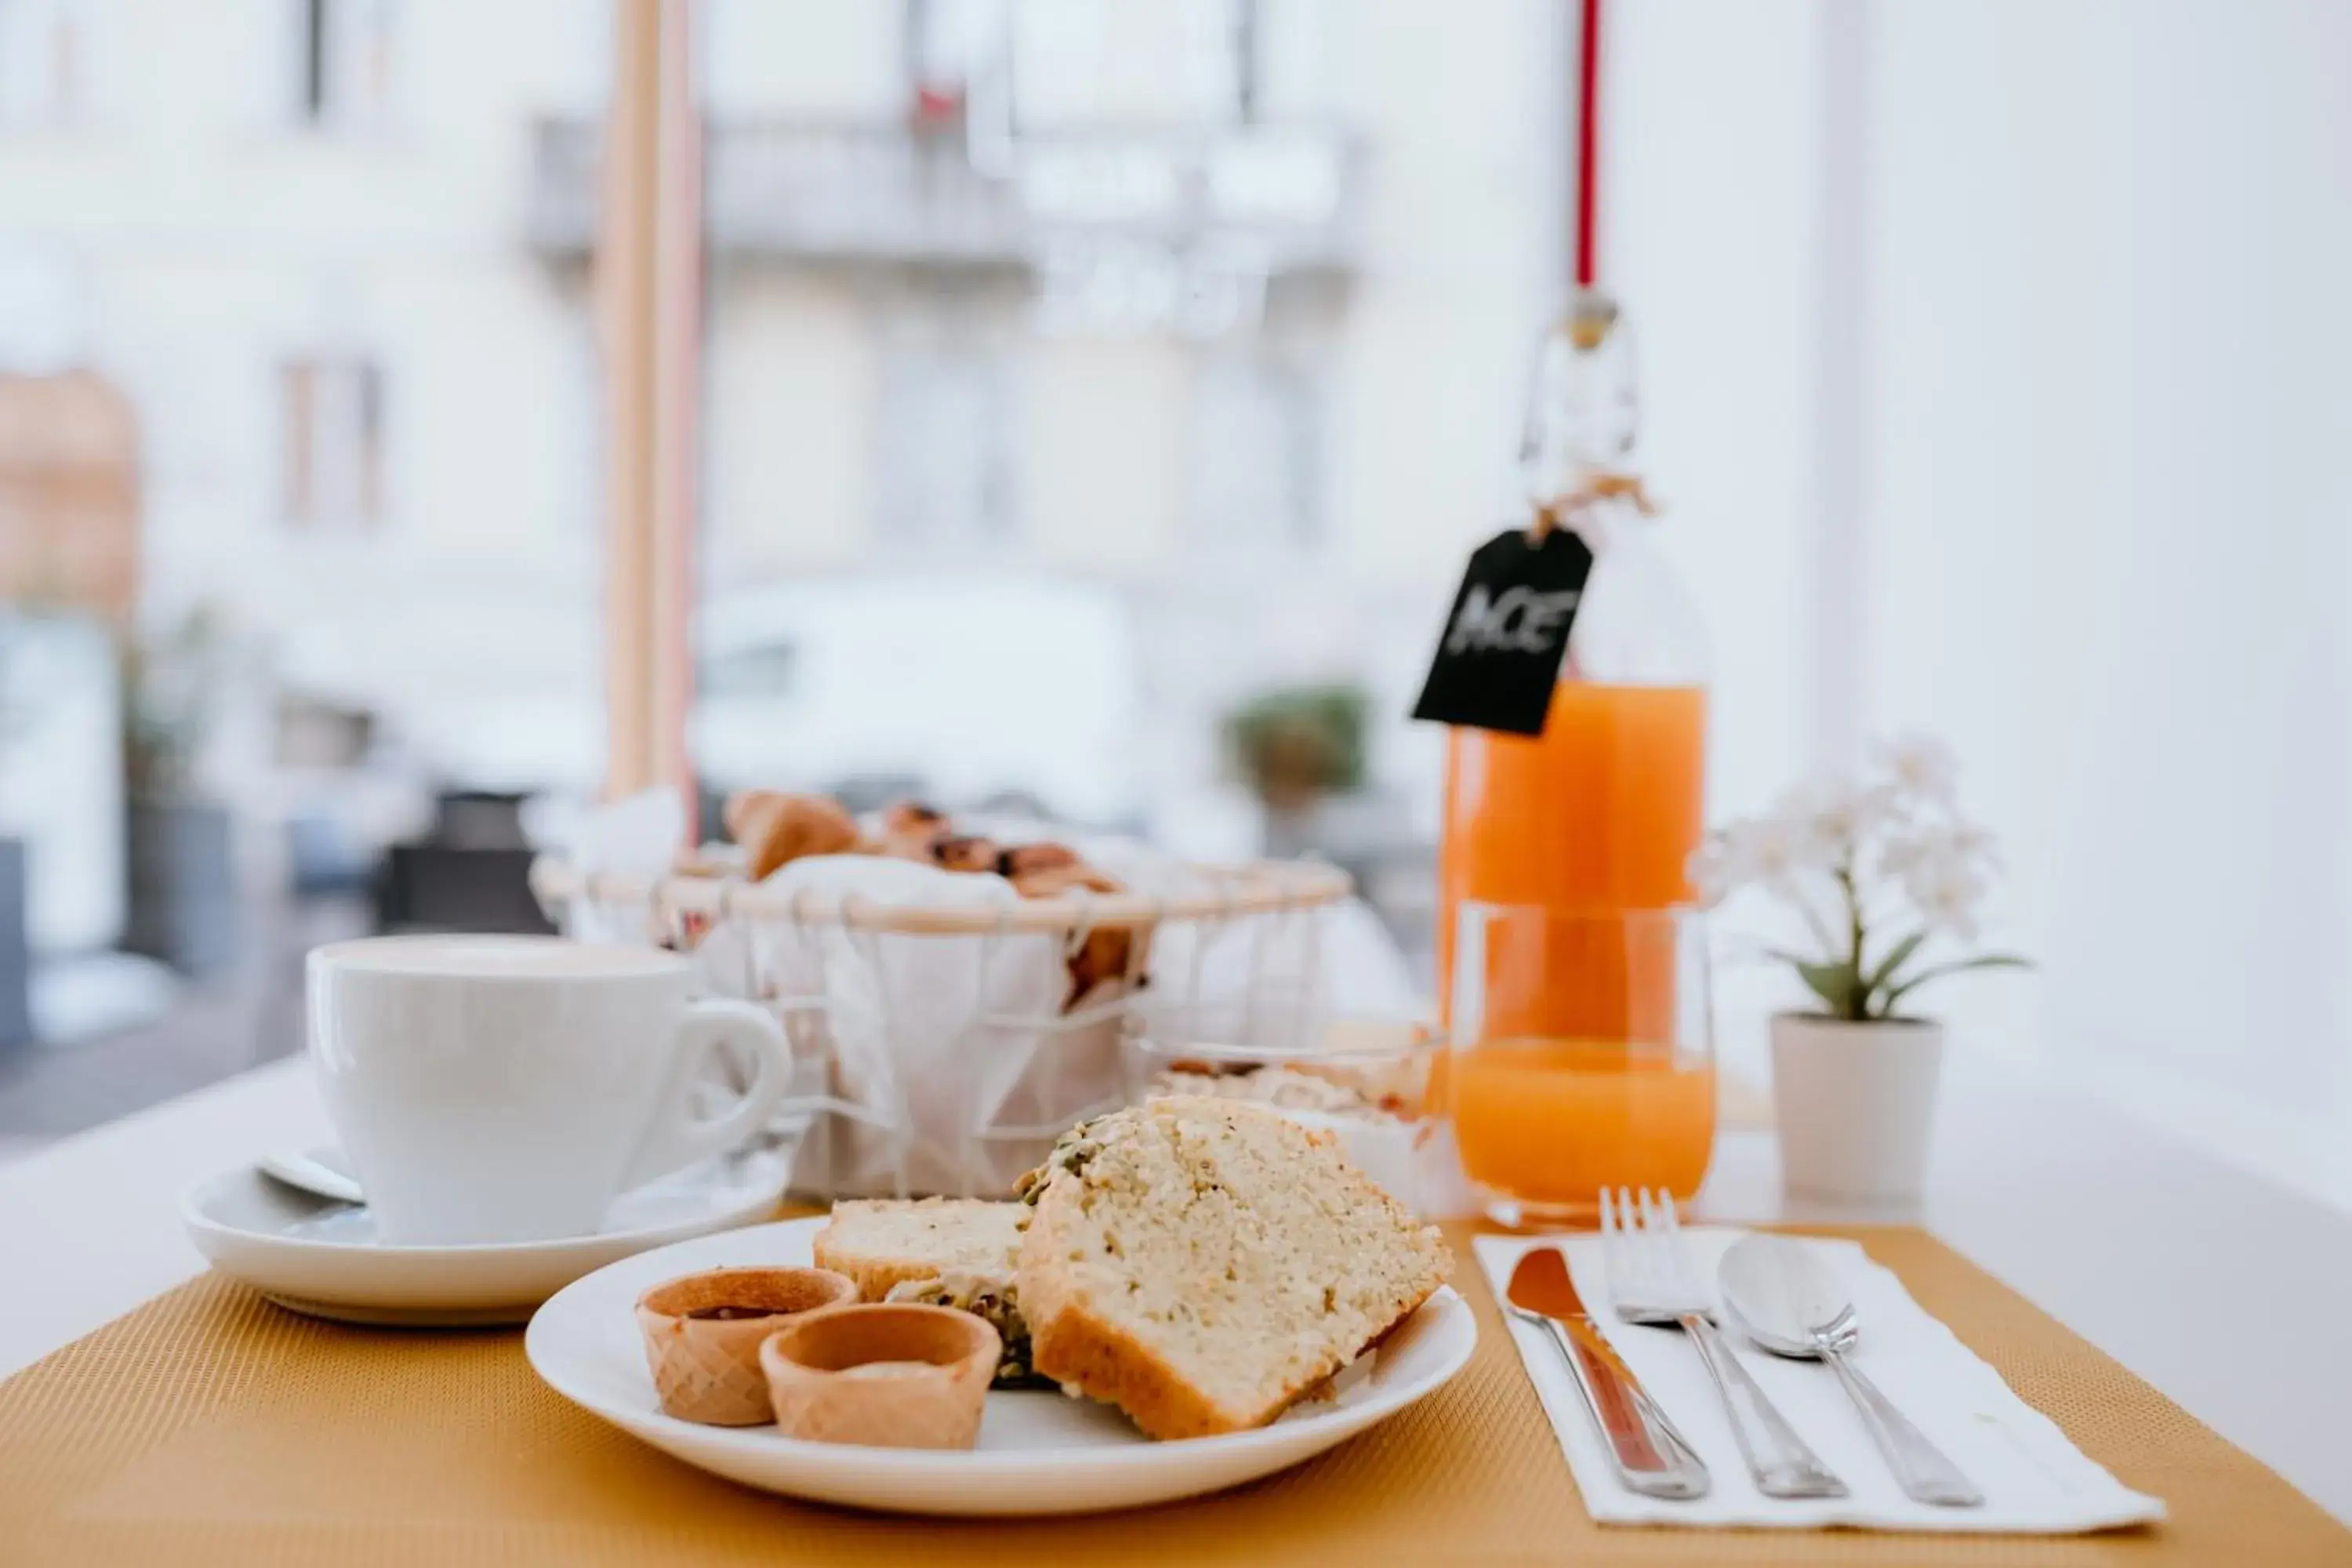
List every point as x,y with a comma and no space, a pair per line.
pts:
946,1252
1202,1263
883,1242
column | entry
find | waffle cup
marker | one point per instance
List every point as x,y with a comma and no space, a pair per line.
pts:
707,1369
826,1387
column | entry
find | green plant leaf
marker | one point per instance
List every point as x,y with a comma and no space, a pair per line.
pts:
1983,961
1835,983
1896,956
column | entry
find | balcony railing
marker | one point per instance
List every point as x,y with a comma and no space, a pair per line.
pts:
854,194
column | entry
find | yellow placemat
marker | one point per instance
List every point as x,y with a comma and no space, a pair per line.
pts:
209,1429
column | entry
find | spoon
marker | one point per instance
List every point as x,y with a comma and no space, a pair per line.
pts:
307,1174
1784,1298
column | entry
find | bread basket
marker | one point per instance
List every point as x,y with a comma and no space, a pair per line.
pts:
939,1045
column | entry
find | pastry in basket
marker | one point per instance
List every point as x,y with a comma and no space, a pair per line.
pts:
775,827
910,830
1202,1263
1019,860
965,852
1053,881
1105,953
944,1252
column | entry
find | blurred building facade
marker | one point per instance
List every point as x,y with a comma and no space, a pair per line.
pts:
287,232
1219,306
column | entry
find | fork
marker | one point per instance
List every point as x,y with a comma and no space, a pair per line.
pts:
1650,1281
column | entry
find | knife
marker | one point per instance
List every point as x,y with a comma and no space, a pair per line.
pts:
1652,1457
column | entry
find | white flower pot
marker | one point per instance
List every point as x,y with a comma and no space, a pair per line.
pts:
1854,1102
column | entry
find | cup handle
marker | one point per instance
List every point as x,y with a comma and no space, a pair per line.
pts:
677,1136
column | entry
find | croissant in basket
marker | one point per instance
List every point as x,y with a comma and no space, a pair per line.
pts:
775,828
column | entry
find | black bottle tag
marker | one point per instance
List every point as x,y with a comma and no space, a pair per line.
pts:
1500,655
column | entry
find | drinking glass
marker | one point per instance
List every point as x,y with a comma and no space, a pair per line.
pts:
1583,1057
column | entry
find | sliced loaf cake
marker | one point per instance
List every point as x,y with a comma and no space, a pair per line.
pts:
883,1242
1202,1263
943,1252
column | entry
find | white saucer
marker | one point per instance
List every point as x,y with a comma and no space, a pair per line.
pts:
1039,1453
323,1258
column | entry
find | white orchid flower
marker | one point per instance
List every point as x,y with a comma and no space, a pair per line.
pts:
1963,844
1720,867
1947,888
1835,816
1897,858
1922,768
1778,849
1853,841
1977,844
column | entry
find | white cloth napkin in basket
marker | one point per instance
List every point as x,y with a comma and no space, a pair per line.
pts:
2035,1480
950,1046
634,838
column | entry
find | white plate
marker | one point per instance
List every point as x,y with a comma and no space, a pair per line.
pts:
1039,1453
323,1258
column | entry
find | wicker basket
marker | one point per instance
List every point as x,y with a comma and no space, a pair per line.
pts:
938,1049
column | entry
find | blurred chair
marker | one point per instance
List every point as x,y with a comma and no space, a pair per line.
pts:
440,886
479,819
16,950
471,874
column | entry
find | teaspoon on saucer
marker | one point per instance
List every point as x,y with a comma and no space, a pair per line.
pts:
308,1173
1784,1298
325,1258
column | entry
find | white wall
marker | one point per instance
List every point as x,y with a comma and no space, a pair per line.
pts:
2107,394
1708,192
2112,392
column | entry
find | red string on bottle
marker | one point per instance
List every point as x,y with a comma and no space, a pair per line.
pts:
1588,137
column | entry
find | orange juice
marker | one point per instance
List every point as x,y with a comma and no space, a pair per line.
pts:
1549,1122
1575,1073
1600,812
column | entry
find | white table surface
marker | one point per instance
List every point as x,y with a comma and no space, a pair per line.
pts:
2187,1270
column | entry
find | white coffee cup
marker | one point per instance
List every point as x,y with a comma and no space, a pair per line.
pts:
507,1089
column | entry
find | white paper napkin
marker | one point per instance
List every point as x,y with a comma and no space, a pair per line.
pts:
2035,1480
